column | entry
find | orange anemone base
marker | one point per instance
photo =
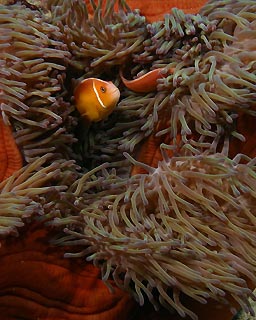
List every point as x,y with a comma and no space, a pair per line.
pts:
10,156
38,283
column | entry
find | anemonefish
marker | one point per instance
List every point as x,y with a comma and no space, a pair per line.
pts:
95,99
147,82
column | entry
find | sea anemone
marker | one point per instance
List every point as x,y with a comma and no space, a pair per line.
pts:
33,61
188,225
101,40
183,225
213,84
35,189
10,157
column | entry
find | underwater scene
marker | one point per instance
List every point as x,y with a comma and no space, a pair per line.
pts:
127,159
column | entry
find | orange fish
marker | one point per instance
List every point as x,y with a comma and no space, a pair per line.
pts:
147,82
96,99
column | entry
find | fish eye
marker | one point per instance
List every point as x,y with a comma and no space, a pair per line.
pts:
103,89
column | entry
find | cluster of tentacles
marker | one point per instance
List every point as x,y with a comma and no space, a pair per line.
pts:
184,222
